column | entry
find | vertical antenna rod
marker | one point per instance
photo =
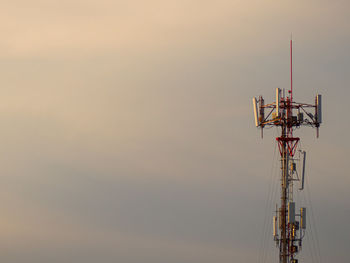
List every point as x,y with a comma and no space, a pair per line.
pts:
291,69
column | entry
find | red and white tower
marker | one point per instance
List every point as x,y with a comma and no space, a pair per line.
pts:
288,225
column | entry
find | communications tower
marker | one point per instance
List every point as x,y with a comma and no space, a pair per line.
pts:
288,225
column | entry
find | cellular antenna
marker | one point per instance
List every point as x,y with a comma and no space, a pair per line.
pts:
288,115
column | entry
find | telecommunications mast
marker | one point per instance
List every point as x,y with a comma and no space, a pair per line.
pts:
288,225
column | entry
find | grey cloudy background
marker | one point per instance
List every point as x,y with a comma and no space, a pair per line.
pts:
127,131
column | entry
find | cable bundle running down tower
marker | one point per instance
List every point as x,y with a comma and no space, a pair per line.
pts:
288,115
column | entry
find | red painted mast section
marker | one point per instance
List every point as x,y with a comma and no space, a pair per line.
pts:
291,72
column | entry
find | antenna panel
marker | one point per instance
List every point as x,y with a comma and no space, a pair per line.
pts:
319,108
303,171
262,110
278,99
303,217
291,212
255,112
274,226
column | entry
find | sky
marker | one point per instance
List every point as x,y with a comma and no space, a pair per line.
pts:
127,131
